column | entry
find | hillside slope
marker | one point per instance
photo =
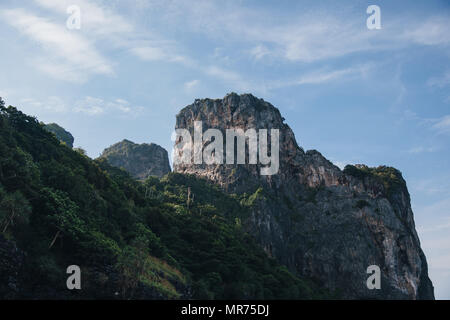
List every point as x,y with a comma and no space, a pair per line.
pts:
178,237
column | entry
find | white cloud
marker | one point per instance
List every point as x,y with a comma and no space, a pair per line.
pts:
100,22
442,125
149,53
223,73
320,40
259,52
73,55
442,225
190,85
161,53
300,36
70,56
52,104
229,76
90,106
120,104
321,77
324,76
95,18
433,31
93,106
421,149
332,37
441,81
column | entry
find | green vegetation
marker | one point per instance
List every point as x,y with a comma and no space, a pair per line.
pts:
389,177
64,136
175,237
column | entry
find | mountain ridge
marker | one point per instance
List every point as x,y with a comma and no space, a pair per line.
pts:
334,205
177,237
322,226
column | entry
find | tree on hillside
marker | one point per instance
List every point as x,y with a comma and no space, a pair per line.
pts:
14,207
132,263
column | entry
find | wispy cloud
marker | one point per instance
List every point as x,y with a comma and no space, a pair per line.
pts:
96,19
442,125
441,81
323,76
432,31
334,37
442,225
51,104
158,53
190,85
93,106
259,51
302,37
74,56
229,76
421,149
69,56
90,106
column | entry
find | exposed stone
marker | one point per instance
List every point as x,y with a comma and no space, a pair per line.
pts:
323,223
140,160
60,133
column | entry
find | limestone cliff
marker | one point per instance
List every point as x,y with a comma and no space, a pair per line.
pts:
323,223
140,160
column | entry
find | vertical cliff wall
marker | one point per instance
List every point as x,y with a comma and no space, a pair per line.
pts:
323,223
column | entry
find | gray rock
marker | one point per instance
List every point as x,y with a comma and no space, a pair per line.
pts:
140,160
323,223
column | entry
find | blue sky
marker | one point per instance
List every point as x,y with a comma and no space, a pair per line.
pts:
356,95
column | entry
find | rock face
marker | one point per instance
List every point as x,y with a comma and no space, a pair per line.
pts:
323,223
140,160
60,133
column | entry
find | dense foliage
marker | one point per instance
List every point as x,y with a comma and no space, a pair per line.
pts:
63,135
175,237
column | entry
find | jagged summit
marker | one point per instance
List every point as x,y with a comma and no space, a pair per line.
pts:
323,223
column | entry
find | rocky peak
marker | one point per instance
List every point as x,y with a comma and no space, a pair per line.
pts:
323,223
245,112
140,160
60,133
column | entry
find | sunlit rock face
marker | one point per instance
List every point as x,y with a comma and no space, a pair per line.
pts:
323,223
